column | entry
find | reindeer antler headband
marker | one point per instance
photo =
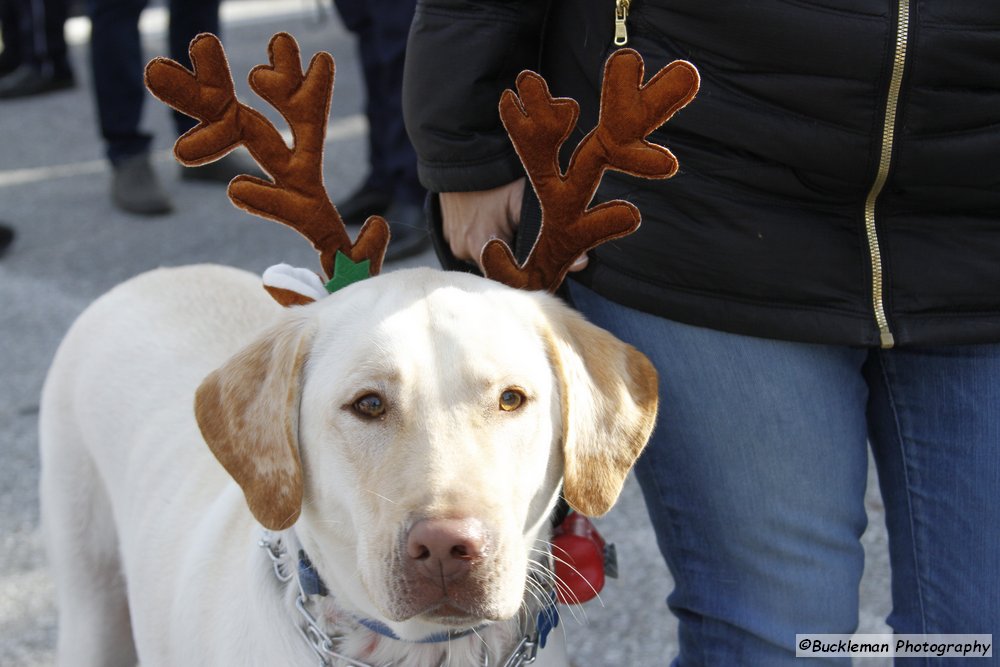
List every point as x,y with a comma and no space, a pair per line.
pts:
296,196
538,125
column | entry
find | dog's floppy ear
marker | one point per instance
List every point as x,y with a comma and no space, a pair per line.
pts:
248,414
609,400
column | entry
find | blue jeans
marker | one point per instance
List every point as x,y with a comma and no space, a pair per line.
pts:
755,481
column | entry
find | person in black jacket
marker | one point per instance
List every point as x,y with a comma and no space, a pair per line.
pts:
822,273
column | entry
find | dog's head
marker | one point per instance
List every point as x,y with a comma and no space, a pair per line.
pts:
415,428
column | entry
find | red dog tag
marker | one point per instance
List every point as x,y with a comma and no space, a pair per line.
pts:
579,559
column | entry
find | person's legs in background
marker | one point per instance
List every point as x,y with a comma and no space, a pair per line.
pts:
375,193
391,188
116,60
56,14
754,480
188,18
10,34
41,64
394,161
935,431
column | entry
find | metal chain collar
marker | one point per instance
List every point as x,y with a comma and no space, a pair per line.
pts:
324,645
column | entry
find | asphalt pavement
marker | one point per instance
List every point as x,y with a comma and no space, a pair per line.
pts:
73,245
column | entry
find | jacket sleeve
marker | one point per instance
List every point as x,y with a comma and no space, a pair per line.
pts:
460,57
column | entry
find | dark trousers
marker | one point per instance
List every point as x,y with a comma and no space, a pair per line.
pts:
382,27
117,62
33,34
10,33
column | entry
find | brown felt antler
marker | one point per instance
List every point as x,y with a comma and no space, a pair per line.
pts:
538,124
296,197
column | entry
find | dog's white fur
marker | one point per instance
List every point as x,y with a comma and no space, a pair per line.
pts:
153,544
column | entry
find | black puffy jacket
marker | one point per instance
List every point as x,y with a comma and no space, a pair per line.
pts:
839,171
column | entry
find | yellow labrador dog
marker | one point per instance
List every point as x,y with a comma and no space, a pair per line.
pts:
389,459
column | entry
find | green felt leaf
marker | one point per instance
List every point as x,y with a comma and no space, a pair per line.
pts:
346,272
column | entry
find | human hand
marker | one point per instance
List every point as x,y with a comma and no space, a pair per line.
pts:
471,219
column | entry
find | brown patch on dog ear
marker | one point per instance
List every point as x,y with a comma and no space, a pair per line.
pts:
609,402
248,413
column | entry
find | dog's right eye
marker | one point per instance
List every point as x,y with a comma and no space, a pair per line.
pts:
511,399
369,406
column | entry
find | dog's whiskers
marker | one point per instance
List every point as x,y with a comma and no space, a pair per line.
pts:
566,592
479,636
379,495
486,646
578,612
537,593
541,593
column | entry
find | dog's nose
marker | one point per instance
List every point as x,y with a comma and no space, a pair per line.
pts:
445,548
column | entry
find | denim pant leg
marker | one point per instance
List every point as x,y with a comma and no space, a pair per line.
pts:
754,480
117,61
935,431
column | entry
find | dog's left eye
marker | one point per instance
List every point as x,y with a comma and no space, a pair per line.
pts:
511,399
369,406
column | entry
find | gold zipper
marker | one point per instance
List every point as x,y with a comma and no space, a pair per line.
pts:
621,14
888,137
